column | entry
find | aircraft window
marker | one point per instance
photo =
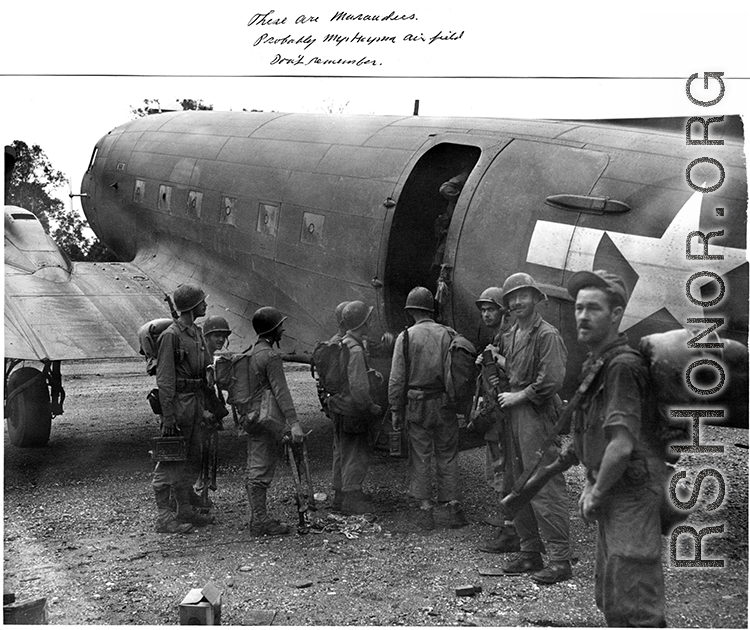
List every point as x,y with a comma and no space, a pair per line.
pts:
93,158
268,218
28,217
312,228
195,202
227,210
165,198
139,192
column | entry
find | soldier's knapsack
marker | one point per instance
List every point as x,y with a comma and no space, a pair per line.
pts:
460,372
148,337
667,356
330,360
233,373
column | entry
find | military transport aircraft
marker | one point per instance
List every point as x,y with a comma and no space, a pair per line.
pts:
302,211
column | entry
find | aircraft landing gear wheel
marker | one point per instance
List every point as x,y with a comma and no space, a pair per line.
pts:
28,408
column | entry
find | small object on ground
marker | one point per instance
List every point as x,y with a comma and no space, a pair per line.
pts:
494,571
201,606
303,583
320,497
468,590
245,568
259,618
27,612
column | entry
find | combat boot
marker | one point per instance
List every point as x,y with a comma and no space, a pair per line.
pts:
261,524
426,518
505,541
166,523
186,513
456,517
356,502
338,501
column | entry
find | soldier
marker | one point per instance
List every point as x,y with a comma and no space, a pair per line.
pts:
339,313
533,354
262,443
216,332
417,395
180,377
624,476
490,304
352,411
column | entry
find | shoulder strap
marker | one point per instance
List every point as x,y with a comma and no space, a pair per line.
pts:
405,348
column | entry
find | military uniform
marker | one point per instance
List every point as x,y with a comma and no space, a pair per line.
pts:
432,425
496,457
180,377
262,444
629,580
351,412
535,364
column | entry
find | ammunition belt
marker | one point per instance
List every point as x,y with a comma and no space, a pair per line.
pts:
428,392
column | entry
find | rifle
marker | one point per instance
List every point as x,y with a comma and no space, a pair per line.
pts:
207,479
297,455
492,380
534,478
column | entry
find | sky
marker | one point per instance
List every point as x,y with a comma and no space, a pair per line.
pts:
76,70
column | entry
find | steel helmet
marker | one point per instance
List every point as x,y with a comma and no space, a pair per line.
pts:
420,298
355,314
491,295
520,281
216,323
339,312
267,319
187,296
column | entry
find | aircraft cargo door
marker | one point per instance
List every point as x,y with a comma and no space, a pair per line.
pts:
497,234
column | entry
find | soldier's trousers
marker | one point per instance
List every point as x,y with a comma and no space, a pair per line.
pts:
351,457
262,457
629,579
548,511
190,415
433,432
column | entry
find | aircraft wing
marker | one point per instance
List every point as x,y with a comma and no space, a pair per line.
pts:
94,313
58,310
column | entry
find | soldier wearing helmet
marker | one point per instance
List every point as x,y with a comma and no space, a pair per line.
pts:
266,372
352,411
216,332
493,313
339,313
533,355
418,398
180,376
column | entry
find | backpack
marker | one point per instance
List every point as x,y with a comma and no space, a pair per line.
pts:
148,337
460,372
667,355
232,373
330,359
664,355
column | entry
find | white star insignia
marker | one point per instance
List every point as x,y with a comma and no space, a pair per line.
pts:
660,263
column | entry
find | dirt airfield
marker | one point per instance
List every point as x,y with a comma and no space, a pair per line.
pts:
79,514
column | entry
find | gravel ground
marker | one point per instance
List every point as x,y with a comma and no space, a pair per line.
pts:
78,530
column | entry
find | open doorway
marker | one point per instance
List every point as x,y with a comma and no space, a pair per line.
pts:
421,222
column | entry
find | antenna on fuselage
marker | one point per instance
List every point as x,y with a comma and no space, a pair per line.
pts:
416,107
